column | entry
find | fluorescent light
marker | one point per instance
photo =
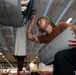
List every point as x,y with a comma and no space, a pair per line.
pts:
0,53
3,56
36,57
5,59
69,20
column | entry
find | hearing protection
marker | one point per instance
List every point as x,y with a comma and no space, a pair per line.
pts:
50,19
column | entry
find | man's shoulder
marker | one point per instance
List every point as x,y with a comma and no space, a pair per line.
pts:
63,24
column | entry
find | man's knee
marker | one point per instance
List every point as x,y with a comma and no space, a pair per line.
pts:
59,55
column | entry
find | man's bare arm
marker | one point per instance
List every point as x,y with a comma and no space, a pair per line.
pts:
30,35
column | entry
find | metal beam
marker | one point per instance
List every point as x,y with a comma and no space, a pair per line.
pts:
3,43
9,34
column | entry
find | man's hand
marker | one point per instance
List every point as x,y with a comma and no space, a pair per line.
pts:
32,21
72,43
32,18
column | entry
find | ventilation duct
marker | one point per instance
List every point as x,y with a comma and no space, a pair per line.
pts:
10,12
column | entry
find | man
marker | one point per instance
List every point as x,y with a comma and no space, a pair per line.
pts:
65,60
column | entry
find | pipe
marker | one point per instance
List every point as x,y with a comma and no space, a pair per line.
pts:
48,7
65,10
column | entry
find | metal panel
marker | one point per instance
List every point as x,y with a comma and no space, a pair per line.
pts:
10,12
47,54
20,42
